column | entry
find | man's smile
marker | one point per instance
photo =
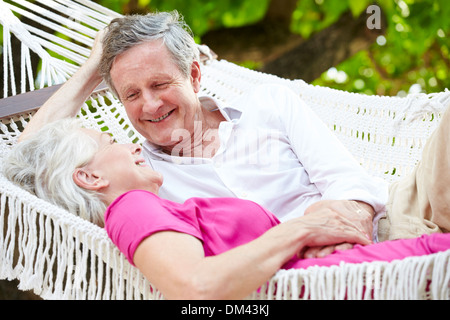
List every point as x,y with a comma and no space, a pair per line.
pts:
162,117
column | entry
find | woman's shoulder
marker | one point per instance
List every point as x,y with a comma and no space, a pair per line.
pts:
133,201
135,197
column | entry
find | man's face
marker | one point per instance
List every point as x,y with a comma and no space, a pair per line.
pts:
157,96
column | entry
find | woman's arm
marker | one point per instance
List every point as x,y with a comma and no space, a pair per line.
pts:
67,101
175,263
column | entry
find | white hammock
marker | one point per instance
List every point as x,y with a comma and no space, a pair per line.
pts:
60,256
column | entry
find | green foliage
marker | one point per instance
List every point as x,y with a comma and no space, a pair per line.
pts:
204,15
312,16
412,56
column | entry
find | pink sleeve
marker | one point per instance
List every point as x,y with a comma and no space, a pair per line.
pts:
382,251
138,214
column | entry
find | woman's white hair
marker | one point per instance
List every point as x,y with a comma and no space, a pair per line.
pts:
44,163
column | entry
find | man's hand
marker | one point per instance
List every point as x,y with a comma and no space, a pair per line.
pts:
69,98
360,213
97,47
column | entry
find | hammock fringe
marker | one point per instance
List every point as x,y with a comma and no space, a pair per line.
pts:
53,256
59,256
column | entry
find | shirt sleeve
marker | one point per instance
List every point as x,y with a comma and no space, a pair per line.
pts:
138,214
330,166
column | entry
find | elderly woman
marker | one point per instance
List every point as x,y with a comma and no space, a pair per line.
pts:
205,248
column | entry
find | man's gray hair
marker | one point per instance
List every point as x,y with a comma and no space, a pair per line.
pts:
126,32
44,163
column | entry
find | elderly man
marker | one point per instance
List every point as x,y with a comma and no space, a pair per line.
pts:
268,147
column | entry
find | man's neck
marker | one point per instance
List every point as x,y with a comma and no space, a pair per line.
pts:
204,141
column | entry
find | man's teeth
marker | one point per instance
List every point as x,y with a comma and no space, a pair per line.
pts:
161,118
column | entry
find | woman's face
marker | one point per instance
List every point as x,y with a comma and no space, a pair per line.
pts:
120,167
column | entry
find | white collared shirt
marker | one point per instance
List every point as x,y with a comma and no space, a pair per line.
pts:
275,151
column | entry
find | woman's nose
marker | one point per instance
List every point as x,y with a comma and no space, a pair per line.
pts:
135,148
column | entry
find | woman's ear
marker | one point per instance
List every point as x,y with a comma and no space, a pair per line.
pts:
196,76
86,179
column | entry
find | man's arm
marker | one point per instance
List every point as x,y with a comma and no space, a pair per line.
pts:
331,168
67,101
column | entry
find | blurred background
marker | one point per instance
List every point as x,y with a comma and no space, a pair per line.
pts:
375,47
384,47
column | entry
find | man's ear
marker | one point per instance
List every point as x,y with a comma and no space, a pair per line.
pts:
88,180
196,76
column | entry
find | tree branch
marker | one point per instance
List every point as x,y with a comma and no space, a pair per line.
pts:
325,49
280,12
270,44
260,42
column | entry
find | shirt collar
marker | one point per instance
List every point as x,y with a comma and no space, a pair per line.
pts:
230,113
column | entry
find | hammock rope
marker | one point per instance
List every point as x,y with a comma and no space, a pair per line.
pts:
60,256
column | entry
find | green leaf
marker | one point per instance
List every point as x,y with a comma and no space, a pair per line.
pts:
358,6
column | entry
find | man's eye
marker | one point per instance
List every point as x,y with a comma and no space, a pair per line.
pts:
131,95
162,85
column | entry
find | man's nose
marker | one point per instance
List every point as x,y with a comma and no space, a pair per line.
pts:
152,102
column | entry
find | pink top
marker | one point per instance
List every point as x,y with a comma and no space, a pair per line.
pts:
217,222
224,223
